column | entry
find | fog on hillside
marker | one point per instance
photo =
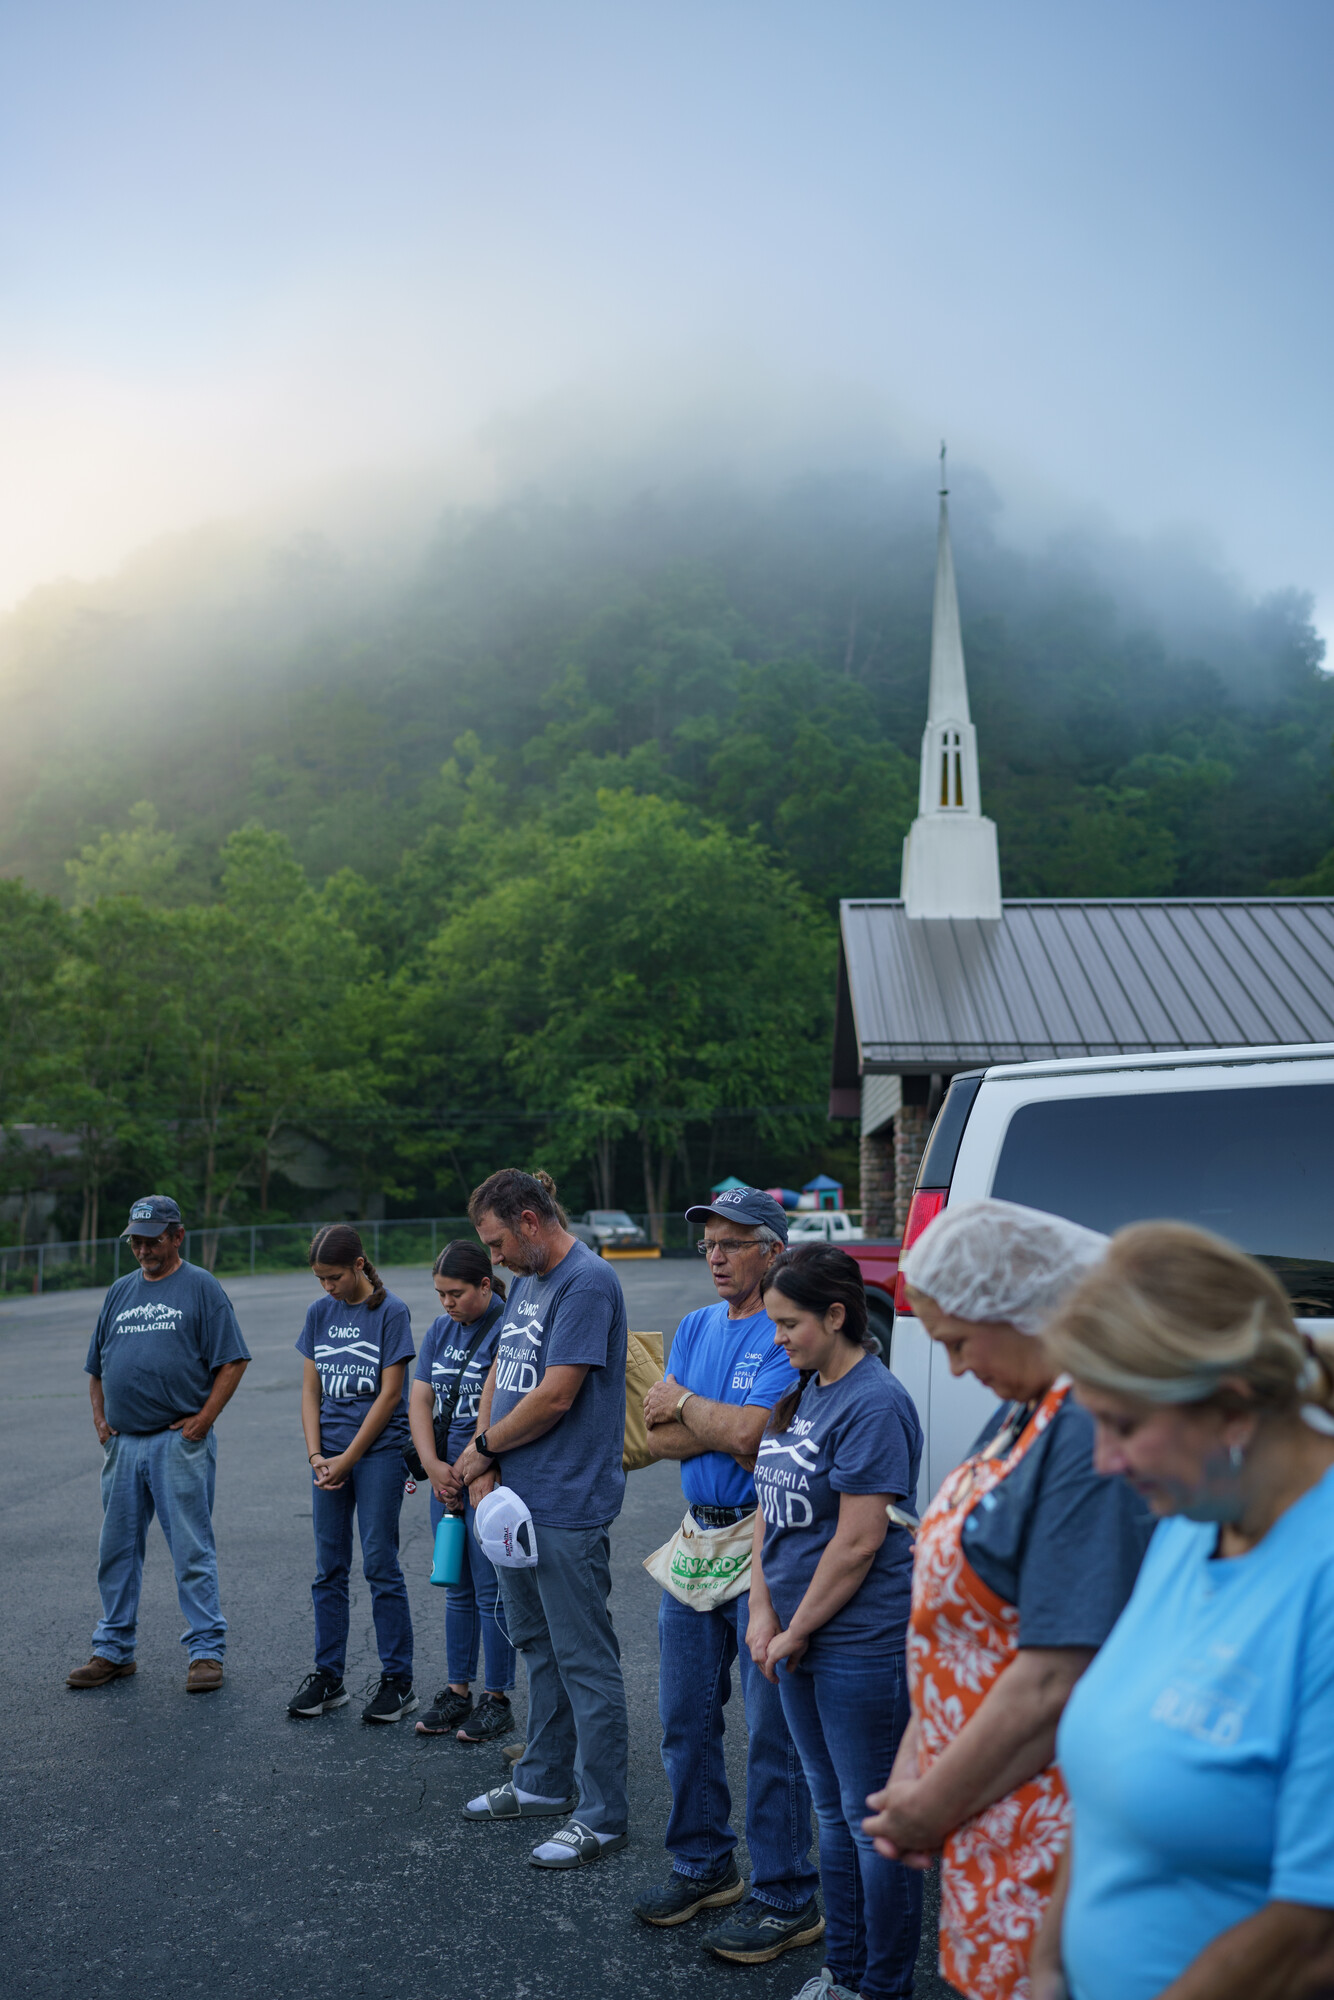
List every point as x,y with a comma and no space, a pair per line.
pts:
1144,726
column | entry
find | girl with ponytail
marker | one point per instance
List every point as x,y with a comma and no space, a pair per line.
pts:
356,1345
455,1360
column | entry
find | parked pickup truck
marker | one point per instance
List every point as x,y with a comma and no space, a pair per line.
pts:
827,1225
879,1263
1237,1141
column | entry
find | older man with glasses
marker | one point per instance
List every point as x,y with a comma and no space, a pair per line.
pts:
710,1413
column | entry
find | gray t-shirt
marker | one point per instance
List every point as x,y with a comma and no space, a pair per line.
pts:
158,1344
1055,1538
573,1317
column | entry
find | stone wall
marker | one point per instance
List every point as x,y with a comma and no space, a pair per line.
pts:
911,1127
878,1183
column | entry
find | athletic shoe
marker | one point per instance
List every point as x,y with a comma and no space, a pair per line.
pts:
758,1933
445,1713
681,1896
99,1671
204,1677
825,1987
318,1693
492,1718
392,1700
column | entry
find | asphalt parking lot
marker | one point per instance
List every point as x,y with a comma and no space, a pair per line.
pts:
156,1844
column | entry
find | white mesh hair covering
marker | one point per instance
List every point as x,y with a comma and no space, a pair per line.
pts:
993,1260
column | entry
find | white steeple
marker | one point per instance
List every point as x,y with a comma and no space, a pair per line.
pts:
951,867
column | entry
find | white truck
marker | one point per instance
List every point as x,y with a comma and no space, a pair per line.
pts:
1240,1141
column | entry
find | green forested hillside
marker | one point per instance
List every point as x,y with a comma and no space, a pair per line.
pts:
532,848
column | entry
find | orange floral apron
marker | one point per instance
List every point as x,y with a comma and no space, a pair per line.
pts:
997,1869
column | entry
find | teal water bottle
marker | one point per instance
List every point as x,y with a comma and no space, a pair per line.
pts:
447,1564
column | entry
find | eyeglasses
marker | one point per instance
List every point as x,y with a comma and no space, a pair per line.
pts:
731,1246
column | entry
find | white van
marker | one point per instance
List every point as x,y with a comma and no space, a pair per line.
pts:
1240,1141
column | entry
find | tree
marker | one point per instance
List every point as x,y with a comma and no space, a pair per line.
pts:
649,972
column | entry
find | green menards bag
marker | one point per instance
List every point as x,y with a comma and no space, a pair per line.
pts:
704,1566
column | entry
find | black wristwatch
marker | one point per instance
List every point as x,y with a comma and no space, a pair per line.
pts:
484,1447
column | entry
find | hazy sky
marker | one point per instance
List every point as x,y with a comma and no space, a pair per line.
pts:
245,247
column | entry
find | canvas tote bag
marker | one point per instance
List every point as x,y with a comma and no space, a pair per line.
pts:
643,1367
704,1567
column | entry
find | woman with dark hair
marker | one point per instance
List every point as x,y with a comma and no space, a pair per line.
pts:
356,1344
456,1356
829,1601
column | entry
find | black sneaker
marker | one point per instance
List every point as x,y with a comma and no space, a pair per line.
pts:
446,1712
490,1720
392,1700
680,1896
318,1693
758,1933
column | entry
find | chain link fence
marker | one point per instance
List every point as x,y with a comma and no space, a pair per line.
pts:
244,1251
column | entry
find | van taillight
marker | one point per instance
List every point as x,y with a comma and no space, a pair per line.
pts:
924,1207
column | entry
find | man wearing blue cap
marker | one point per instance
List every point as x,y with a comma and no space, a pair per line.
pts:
164,1362
710,1413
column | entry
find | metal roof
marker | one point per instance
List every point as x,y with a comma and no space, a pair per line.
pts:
1080,978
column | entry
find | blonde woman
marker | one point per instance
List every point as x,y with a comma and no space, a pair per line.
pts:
1024,1561
1199,1748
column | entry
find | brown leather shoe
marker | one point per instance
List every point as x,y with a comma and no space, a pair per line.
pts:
99,1671
204,1676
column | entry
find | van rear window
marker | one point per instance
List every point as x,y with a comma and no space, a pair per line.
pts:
1254,1165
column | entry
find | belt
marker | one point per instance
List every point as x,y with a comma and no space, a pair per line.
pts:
719,1517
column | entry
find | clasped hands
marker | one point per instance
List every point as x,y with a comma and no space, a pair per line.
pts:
900,1827
768,1644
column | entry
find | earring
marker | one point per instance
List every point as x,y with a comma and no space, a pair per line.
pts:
1238,1457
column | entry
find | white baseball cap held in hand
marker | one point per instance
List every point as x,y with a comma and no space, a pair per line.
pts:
505,1531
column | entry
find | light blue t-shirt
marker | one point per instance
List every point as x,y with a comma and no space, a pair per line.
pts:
444,1351
1199,1752
727,1361
350,1346
572,1317
860,1434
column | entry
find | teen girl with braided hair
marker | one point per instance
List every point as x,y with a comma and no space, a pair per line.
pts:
356,1345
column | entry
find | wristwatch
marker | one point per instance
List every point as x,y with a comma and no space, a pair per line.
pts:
484,1447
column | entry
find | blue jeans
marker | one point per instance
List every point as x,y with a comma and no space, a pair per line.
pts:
696,1651
374,1491
160,1473
474,1614
847,1711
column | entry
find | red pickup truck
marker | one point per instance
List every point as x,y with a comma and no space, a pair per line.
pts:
879,1265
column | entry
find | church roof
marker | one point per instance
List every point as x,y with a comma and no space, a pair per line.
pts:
1076,978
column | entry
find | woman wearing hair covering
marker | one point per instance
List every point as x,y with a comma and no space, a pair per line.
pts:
1024,1561
1199,1751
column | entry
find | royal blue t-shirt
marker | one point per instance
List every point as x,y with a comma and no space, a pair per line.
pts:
857,1435
444,1350
1199,1752
727,1361
158,1344
573,1316
351,1346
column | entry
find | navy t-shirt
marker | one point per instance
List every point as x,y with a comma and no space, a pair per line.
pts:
158,1344
1054,1538
573,1316
728,1361
351,1346
444,1350
857,1435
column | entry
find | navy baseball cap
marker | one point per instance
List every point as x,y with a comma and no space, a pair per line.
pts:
750,1206
152,1215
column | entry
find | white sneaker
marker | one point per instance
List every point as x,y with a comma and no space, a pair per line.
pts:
826,1987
